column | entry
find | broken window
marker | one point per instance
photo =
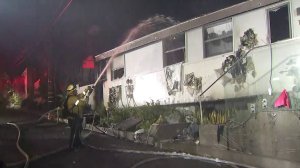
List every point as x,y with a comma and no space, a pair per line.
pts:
117,70
100,67
174,49
218,38
279,23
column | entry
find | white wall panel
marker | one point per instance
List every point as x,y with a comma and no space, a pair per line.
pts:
144,60
150,87
194,45
255,20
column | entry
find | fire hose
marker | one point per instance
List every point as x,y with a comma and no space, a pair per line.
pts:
89,91
18,144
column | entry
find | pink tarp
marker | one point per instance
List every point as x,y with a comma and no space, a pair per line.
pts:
283,100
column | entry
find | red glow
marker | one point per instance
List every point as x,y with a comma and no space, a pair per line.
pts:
18,85
24,74
37,84
88,63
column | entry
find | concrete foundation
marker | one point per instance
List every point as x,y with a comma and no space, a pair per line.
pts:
266,134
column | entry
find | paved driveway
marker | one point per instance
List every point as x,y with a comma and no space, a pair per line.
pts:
108,152
46,145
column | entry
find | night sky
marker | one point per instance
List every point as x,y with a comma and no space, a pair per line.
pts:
36,32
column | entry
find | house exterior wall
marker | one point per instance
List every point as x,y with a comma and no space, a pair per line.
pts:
194,51
144,65
257,20
295,18
144,60
150,87
264,131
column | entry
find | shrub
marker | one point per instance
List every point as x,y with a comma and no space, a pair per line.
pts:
149,114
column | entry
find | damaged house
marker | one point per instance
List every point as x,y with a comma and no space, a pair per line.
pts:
230,67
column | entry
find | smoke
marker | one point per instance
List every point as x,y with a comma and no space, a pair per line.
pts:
145,27
148,26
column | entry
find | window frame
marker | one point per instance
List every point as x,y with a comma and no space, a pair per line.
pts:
114,70
100,67
289,21
167,51
205,41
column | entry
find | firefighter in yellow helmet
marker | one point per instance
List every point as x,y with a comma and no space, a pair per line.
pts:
76,106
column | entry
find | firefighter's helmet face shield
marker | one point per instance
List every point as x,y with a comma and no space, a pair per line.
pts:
72,92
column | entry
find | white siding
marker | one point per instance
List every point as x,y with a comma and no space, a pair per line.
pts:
255,20
207,70
194,45
144,60
150,87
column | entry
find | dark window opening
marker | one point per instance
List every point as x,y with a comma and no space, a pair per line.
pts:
174,49
117,73
117,67
279,23
174,57
100,66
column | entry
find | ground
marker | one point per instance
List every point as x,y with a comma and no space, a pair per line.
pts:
46,144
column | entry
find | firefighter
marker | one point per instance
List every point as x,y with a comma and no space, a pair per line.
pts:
76,106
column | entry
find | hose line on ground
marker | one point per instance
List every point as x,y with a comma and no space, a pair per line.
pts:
18,144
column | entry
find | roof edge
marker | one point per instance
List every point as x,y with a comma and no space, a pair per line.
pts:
187,25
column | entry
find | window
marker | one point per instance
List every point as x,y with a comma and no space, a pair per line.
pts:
174,48
218,38
279,23
100,67
115,95
117,70
87,73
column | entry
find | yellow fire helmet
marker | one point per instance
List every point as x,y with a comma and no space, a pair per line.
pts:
70,87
